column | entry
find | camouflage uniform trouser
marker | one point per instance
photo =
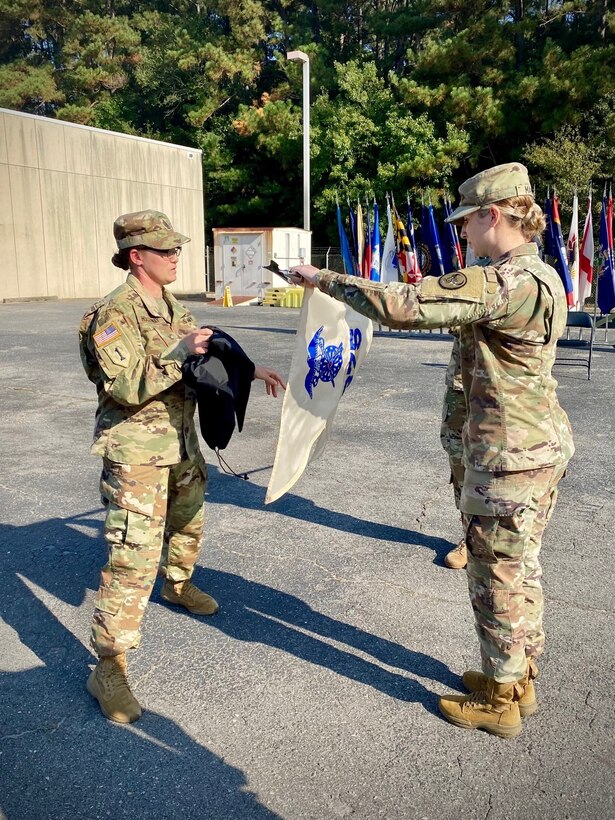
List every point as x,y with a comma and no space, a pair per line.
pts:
505,515
153,513
453,418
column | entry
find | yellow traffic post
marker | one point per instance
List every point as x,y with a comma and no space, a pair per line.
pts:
227,299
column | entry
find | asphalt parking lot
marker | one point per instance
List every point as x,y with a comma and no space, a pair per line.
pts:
313,692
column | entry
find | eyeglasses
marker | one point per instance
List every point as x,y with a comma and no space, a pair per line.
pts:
176,252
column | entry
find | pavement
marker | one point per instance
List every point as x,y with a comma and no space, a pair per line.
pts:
313,693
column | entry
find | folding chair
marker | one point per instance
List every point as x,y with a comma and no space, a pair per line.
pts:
578,319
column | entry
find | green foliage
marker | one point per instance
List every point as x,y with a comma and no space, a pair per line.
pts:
367,143
566,162
406,94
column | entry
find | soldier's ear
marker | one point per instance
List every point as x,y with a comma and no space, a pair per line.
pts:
135,256
495,214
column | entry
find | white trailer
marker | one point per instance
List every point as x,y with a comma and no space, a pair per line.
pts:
240,253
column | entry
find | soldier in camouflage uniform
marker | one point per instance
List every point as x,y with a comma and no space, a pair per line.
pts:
517,439
133,343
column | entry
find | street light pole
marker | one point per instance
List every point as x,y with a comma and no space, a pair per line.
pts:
302,57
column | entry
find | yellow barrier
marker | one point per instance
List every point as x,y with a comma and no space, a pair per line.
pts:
283,297
227,299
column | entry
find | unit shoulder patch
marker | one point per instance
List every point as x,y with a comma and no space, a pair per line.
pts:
117,353
467,285
453,281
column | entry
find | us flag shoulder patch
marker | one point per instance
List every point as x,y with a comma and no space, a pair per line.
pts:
109,333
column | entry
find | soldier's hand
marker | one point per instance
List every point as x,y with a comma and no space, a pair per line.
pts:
198,340
272,380
304,275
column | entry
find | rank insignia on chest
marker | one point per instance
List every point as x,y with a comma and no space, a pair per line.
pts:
453,281
107,334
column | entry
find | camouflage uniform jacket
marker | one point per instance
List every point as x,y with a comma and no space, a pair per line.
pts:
134,354
510,314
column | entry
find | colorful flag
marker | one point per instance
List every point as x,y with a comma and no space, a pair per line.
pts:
352,217
430,254
344,245
453,259
609,218
367,254
415,269
389,271
573,251
586,257
410,227
332,341
554,245
360,239
606,276
374,272
406,258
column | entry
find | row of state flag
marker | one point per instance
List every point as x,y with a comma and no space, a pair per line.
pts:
408,254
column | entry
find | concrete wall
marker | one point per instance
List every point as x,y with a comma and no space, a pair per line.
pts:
61,188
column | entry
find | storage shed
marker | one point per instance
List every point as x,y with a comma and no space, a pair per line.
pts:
240,253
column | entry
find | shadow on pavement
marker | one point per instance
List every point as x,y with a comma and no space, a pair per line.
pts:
58,756
226,489
63,757
257,613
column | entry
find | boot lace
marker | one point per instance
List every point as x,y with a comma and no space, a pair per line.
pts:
476,699
460,546
113,678
189,593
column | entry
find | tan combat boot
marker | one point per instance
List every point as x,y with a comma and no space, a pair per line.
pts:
457,558
494,709
184,593
528,705
108,683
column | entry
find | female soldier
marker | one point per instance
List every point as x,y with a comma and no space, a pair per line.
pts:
516,440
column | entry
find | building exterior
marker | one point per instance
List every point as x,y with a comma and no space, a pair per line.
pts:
62,186
240,253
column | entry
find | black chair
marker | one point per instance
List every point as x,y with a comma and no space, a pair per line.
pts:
581,320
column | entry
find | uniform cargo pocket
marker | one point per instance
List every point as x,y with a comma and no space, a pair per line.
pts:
500,601
109,599
492,495
134,487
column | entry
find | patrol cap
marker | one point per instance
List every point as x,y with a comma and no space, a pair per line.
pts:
492,185
152,229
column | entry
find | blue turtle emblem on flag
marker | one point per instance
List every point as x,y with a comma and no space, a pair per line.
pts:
324,362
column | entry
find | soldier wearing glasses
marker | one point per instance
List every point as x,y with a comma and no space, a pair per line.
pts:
516,438
133,344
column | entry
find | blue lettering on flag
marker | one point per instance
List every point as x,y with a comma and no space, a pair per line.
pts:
355,343
324,362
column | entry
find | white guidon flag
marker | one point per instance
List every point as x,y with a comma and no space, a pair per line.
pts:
332,341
